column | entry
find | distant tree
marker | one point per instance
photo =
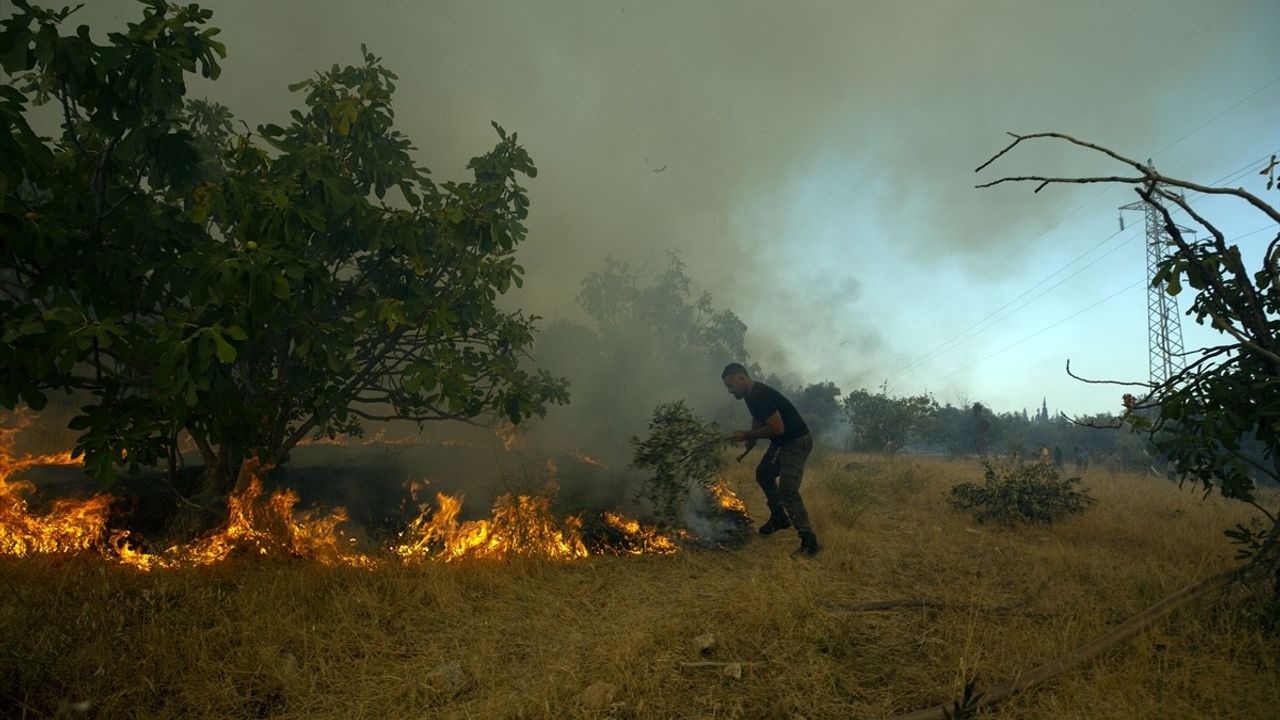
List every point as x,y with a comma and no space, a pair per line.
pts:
1201,417
880,422
247,290
650,338
666,307
819,405
961,430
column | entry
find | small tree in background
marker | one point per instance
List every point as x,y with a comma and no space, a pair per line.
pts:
880,422
819,405
1014,492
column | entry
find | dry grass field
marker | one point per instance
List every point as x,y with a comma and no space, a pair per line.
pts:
605,636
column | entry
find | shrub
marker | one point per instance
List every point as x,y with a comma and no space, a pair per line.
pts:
682,452
1021,492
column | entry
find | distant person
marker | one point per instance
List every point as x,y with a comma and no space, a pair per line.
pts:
1044,455
782,467
980,427
1082,460
1058,461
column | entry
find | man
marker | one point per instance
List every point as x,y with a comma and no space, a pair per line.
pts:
774,417
1082,459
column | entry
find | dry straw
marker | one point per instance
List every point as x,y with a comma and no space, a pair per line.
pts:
254,639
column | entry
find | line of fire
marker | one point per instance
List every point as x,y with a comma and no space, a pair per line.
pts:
258,522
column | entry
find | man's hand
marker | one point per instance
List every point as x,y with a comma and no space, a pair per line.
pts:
739,436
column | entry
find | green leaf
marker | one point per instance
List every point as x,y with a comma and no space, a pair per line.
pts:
226,353
33,398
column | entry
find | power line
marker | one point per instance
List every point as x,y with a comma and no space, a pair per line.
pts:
1211,120
983,324
969,331
1042,330
1254,232
1238,238
1002,260
1232,177
1095,196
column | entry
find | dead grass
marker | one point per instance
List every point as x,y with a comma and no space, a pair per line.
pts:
294,640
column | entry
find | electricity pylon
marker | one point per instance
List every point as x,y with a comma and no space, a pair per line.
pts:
1164,323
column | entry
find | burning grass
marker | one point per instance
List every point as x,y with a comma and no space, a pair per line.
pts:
269,637
271,525
66,526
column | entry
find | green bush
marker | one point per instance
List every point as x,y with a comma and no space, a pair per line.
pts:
682,452
1021,492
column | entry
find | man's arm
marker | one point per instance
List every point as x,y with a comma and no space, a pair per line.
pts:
769,428
751,442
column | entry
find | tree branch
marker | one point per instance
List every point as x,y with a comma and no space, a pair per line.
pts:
1125,632
1106,382
1148,174
1045,180
1227,327
68,123
1231,259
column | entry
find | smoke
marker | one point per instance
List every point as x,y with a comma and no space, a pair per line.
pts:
792,154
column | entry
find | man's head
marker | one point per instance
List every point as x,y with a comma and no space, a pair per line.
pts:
736,380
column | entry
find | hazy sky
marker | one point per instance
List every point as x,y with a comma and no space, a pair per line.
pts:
819,158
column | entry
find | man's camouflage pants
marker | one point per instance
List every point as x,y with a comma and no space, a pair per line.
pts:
779,474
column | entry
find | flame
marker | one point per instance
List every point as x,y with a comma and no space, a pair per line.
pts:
510,436
636,539
258,523
259,526
726,499
518,526
586,459
67,526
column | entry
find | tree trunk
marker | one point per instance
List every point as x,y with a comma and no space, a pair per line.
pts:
219,479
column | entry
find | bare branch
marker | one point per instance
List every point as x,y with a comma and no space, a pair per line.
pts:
1116,424
1061,136
1087,652
1044,180
430,417
1107,382
1016,139
1149,175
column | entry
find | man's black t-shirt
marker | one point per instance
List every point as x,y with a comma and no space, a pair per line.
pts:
763,401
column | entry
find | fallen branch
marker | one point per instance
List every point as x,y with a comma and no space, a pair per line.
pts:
1090,650
894,604
930,603
926,604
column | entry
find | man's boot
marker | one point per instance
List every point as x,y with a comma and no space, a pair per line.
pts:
808,545
777,521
